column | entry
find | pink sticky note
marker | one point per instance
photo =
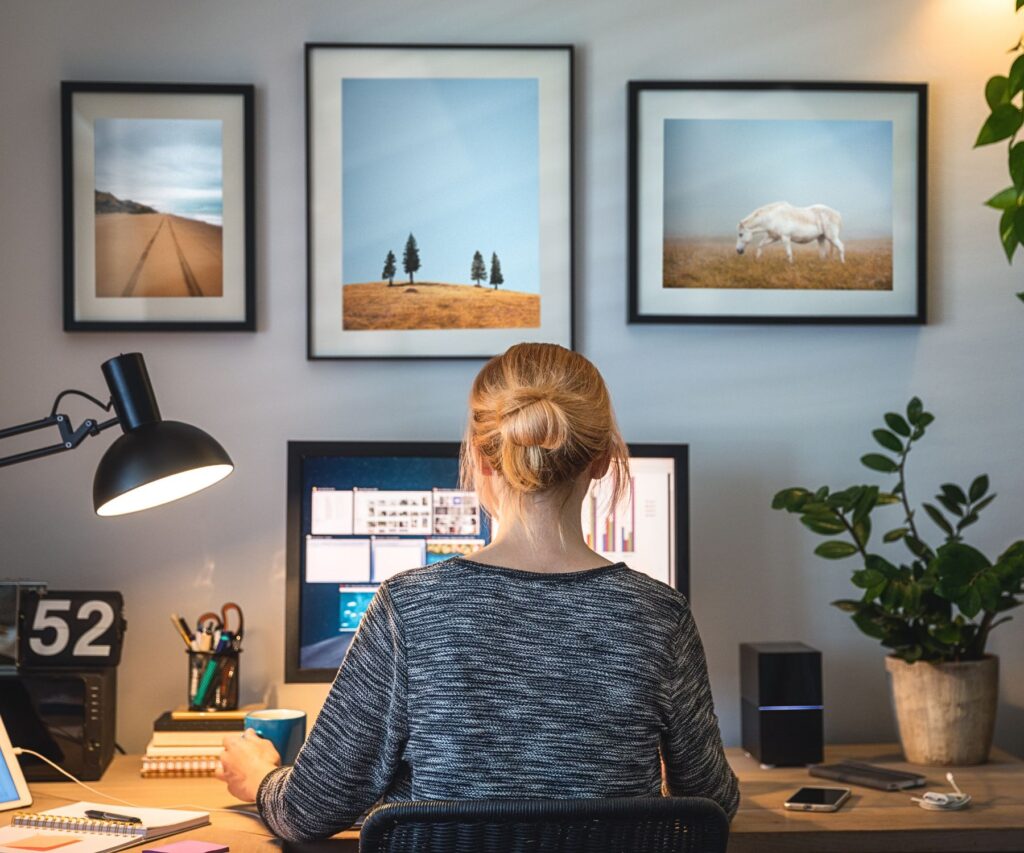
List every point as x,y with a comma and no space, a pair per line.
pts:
188,847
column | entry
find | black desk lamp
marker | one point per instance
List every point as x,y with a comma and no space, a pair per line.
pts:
152,463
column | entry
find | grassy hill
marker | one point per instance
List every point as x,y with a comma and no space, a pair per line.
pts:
435,305
714,263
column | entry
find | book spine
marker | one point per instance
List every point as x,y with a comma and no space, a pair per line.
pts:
65,823
157,766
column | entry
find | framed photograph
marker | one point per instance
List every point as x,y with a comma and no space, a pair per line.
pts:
158,207
777,202
440,199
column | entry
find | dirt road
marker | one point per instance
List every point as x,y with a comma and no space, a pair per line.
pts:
156,254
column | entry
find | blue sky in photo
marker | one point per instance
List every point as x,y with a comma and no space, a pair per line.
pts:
719,171
453,161
173,165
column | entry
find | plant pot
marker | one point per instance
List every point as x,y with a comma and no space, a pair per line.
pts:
946,712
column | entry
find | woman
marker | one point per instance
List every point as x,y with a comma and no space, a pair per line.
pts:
536,669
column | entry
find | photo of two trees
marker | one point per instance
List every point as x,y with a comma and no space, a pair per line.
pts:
449,165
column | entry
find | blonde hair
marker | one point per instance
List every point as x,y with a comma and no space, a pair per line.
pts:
539,416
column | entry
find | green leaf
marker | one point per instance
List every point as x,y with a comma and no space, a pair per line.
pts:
914,409
954,493
867,578
790,499
938,518
1004,121
1016,76
984,502
887,498
835,549
980,484
1003,200
1008,233
869,626
848,605
896,423
1019,4
1017,165
997,91
1018,223
877,462
862,531
970,604
896,534
1020,295
916,546
951,506
888,440
826,525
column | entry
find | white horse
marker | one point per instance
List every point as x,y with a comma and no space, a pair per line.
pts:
781,221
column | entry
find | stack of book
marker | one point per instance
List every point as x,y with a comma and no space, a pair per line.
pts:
189,743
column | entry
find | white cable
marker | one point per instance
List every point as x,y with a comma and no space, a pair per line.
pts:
20,750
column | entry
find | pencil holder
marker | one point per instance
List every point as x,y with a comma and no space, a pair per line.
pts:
213,680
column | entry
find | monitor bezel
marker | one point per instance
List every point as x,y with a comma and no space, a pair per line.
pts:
298,451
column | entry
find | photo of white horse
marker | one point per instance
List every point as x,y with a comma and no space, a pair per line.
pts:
815,199
781,222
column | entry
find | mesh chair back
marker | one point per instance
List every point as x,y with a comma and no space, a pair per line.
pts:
622,825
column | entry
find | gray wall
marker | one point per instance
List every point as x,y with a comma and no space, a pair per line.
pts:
762,408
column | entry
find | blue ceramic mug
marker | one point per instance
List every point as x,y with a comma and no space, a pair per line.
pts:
285,729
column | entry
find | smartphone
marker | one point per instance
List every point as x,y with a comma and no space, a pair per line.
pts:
818,799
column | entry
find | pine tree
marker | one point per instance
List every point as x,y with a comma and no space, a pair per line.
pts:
411,257
496,276
478,272
389,268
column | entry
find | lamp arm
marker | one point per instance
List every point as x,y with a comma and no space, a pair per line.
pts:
70,437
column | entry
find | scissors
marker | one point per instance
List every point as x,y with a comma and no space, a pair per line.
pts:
220,622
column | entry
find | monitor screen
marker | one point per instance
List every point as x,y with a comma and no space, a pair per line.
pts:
360,512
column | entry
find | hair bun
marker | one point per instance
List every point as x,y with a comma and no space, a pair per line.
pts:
534,417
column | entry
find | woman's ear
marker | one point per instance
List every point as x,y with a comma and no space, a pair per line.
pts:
482,467
600,466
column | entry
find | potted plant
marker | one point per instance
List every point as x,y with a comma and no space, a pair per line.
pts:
935,609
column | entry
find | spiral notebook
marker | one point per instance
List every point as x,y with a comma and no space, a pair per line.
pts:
68,830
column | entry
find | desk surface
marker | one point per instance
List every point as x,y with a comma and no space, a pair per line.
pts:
871,822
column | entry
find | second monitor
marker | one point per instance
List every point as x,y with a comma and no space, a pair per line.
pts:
360,512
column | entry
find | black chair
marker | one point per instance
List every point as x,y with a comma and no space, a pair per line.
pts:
622,825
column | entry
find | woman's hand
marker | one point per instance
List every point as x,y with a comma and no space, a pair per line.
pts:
246,760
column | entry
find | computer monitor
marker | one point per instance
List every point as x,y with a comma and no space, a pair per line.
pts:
360,512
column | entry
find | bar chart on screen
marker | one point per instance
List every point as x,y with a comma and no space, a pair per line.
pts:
638,530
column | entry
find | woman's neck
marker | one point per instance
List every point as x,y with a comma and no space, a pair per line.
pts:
546,536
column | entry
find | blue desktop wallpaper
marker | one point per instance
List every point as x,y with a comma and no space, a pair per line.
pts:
320,610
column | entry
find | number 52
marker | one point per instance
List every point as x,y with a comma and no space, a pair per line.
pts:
49,616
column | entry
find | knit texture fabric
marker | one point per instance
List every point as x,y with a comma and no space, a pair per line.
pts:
467,681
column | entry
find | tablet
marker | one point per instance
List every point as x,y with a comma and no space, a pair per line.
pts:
13,787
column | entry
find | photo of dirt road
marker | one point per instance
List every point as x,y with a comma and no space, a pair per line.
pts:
157,255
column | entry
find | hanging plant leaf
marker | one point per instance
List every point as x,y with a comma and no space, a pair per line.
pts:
938,518
1017,165
1003,200
997,91
1004,121
1016,76
1008,233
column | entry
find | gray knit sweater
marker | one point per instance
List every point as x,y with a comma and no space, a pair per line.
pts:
468,681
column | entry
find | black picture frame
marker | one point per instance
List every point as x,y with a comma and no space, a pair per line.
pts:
912,288
299,451
234,308
557,290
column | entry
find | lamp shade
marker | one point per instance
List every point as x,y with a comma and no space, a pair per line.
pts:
155,463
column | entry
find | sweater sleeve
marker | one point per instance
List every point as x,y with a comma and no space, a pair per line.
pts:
695,763
353,751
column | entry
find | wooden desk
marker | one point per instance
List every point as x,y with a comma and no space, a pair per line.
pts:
880,821
871,821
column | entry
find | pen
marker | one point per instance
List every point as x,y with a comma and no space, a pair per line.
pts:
124,818
176,622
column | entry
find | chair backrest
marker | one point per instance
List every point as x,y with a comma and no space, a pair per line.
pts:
622,825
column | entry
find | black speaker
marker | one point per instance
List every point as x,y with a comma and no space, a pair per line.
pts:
780,688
